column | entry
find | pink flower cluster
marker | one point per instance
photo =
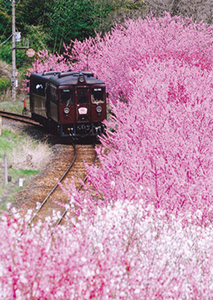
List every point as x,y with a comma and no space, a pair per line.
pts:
45,62
161,147
138,43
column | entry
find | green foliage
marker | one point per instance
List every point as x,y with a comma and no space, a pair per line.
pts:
79,19
37,37
5,20
30,172
13,106
8,139
50,23
9,134
4,84
6,54
32,12
30,16
69,20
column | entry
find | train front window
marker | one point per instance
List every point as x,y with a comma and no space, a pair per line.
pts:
97,95
66,96
82,97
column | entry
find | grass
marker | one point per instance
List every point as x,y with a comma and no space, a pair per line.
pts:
14,107
8,140
6,102
25,158
12,187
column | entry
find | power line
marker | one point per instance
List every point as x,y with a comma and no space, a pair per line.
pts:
6,40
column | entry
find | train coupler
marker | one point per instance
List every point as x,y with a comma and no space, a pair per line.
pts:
98,130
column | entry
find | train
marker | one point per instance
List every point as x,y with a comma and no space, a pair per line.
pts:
69,103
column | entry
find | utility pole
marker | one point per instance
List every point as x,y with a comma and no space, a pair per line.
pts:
13,81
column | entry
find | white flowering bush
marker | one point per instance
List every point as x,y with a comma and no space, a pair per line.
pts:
124,252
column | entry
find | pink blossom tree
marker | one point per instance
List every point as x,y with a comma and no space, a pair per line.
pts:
132,46
162,143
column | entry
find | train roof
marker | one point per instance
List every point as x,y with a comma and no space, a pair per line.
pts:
43,75
68,78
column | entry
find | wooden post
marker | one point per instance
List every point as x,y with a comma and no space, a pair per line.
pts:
5,169
0,125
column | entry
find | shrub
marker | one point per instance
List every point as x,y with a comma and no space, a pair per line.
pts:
6,54
4,84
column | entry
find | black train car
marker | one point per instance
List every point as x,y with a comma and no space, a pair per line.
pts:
71,103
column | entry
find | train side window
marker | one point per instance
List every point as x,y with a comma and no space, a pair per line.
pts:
82,96
66,97
53,94
39,86
39,89
97,95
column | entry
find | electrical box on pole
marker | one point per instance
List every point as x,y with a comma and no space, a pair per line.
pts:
18,37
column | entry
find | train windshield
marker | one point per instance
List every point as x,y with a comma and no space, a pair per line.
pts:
66,96
97,95
82,96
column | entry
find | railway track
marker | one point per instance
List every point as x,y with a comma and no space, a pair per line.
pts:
56,194
18,117
78,189
54,188
68,161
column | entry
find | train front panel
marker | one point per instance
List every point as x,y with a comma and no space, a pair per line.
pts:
82,108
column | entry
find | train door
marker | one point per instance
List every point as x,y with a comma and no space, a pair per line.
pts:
83,107
37,96
53,104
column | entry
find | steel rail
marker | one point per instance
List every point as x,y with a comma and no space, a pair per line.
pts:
55,186
78,189
18,117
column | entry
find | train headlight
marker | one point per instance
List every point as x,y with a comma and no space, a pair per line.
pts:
99,109
66,110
